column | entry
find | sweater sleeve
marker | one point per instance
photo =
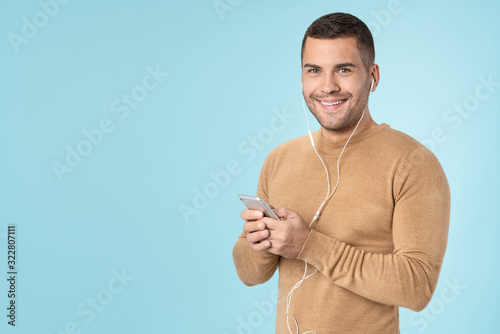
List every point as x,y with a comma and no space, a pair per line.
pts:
408,276
255,267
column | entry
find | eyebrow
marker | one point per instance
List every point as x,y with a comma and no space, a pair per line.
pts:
341,65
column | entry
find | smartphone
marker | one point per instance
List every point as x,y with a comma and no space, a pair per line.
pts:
256,203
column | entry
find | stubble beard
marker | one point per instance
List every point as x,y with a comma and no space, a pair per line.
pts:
341,120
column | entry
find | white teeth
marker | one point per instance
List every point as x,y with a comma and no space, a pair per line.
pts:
332,104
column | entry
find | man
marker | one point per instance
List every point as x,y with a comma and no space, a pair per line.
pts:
378,242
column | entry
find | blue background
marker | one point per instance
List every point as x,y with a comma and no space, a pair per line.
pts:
232,66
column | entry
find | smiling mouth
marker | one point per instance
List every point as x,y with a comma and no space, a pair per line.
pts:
336,103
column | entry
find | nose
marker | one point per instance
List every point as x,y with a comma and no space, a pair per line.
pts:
329,84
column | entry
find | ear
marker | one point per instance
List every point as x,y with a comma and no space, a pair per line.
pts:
375,73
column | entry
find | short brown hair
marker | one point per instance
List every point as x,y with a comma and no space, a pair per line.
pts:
337,25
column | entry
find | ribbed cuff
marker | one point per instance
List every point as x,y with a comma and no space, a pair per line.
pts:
317,248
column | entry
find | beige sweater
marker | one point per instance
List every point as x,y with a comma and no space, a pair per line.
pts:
379,242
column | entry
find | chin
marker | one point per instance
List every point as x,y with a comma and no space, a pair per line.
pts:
339,126
329,123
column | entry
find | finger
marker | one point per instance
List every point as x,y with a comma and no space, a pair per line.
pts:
282,212
261,246
257,236
273,224
253,226
251,214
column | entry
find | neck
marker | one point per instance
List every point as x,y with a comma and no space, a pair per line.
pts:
337,135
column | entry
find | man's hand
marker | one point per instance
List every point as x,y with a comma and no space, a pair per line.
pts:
281,237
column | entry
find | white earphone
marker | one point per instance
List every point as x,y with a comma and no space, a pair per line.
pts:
304,277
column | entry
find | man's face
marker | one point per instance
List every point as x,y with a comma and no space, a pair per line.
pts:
335,82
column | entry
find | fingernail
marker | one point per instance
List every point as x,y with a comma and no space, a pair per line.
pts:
263,233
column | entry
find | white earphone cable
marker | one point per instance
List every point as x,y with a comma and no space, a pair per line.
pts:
304,277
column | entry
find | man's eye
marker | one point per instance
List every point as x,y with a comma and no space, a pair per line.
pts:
344,70
313,70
